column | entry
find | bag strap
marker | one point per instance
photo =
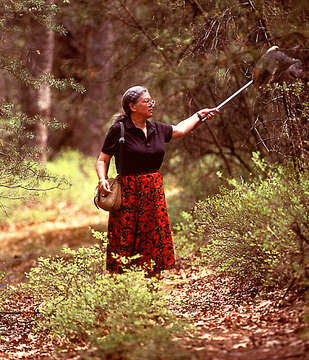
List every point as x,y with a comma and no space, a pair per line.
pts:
121,146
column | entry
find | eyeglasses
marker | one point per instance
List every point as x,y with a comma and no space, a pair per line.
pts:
149,102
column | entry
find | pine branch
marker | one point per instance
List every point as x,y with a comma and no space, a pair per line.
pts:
151,40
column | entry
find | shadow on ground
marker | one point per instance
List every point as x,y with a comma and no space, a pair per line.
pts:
21,253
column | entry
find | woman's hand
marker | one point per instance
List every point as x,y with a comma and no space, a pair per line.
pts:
207,114
104,186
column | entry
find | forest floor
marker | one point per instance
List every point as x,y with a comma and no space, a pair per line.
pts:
228,320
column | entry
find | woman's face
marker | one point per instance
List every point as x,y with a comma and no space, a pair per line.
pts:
143,106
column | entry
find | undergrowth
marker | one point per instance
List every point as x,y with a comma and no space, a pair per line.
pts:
120,316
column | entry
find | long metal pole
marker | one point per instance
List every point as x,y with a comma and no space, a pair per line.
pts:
235,94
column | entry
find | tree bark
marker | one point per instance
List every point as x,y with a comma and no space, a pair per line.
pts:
35,102
44,95
89,129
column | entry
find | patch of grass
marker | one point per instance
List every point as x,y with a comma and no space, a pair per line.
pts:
72,196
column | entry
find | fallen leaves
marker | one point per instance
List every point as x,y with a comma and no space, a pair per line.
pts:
230,322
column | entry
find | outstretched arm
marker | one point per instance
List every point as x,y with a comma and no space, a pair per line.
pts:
185,126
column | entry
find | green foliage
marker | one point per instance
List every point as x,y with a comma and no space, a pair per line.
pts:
121,316
255,230
42,11
13,23
17,69
19,172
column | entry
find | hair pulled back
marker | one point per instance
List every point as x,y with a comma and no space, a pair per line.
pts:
130,96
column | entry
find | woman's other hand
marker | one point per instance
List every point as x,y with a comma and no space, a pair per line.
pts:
104,186
101,167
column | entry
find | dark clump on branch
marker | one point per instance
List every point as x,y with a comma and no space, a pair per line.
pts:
276,66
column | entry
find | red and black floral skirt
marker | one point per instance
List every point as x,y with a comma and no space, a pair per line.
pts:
141,227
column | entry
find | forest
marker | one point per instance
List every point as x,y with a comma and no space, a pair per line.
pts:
237,186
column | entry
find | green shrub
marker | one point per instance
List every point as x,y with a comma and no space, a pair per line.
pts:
121,315
254,229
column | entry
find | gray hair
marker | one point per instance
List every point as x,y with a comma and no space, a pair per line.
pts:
131,96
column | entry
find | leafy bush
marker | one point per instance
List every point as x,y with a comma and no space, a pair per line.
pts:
124,316
256,229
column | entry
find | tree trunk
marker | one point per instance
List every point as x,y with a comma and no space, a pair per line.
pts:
38,101
44,94
88,132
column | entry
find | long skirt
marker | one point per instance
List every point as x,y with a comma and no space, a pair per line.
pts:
141,227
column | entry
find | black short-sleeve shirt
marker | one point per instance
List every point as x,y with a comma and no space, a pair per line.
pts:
141,154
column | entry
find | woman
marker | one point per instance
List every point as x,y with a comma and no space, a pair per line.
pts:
141,227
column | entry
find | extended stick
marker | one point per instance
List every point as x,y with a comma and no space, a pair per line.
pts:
235,94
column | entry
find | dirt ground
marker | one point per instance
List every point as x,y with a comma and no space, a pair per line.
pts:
229,321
